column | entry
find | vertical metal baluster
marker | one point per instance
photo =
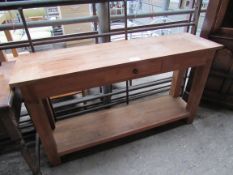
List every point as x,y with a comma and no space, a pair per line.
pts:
125,18
95,23
198,5
185,79
26,29
126,30
191,5
101,89
130,82
109,21
95,28
127,92
196,16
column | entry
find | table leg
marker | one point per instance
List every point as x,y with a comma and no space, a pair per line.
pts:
41,122
177,80
198,84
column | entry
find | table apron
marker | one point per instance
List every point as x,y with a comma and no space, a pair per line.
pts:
92,78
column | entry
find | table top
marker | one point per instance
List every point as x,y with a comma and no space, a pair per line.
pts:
43,65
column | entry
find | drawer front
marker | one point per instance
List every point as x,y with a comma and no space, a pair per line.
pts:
132,71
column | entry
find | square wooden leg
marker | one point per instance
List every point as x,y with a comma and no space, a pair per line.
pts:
177,80
41,122
198,84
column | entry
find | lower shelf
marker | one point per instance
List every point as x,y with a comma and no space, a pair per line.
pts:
100,127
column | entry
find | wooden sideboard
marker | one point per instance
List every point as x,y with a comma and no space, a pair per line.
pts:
46,74
218,27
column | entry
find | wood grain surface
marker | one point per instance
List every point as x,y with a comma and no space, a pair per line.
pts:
46,74
5,91
55,63
104,126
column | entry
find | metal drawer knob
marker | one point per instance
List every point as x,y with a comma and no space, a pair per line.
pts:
135,71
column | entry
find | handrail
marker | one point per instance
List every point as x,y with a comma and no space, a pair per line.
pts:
87,19
91,35
43,3
88,35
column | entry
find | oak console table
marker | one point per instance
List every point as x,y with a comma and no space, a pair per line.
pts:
46,74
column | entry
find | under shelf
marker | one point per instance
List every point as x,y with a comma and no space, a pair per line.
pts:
85,131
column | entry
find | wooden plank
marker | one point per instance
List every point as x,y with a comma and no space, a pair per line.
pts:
10,38
65,95
211,16
221,14
104,126
2,56
5,93
52,64
225,31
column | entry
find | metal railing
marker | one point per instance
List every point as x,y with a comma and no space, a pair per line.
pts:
93,19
